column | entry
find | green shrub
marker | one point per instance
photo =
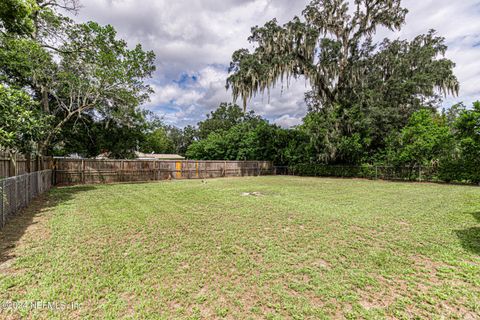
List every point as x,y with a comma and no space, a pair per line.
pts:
459,171
343,171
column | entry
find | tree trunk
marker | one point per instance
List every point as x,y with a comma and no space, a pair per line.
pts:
45,103
45,143
38,163
13,165
43,146
28,160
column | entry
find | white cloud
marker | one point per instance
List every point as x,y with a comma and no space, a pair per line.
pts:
197,38
287,121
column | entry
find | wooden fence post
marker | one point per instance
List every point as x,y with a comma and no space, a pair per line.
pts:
121,170
54,171
155,170
83,171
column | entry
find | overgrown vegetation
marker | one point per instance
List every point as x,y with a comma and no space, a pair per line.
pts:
301,248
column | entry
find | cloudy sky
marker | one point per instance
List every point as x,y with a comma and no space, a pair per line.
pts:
194,40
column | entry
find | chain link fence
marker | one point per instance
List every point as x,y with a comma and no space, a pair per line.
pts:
398,173
18,191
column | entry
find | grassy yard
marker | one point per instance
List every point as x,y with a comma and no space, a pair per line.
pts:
305,248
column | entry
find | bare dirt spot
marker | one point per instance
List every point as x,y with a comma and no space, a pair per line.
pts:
6,267
390,291
394,289
130,301
252,194
322,264
404,224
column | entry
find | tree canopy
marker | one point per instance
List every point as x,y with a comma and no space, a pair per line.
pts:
361,90
333,48
21,123
73,70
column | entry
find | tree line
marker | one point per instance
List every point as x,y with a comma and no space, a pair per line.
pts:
371,102
68,87
448,140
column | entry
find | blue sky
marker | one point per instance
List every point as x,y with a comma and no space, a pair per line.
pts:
194,40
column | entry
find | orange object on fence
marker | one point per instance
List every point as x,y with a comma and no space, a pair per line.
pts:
178,168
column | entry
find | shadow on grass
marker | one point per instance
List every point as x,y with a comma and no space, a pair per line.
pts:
470,238
17,224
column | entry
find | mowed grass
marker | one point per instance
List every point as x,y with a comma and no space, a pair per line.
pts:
306,248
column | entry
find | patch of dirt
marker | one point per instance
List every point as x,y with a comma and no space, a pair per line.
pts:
404,224
380,299
174,305
253,194
6,267
393,289
322,264
130,300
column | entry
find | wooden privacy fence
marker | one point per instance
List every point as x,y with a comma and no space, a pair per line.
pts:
73,171
17,164
17,192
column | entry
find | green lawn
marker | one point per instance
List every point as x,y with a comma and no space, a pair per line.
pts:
306,248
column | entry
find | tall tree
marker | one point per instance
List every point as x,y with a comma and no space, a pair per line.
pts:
361,90
89,136
98,72
74,70
223,118
331,47
31,34
157,141
181,138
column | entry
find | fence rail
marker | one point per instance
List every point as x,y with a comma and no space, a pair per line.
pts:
73,171
17,192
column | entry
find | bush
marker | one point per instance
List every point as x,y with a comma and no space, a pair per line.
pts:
343,171
447,171
459,171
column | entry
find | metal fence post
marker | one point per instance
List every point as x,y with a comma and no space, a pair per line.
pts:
15,192
38,176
